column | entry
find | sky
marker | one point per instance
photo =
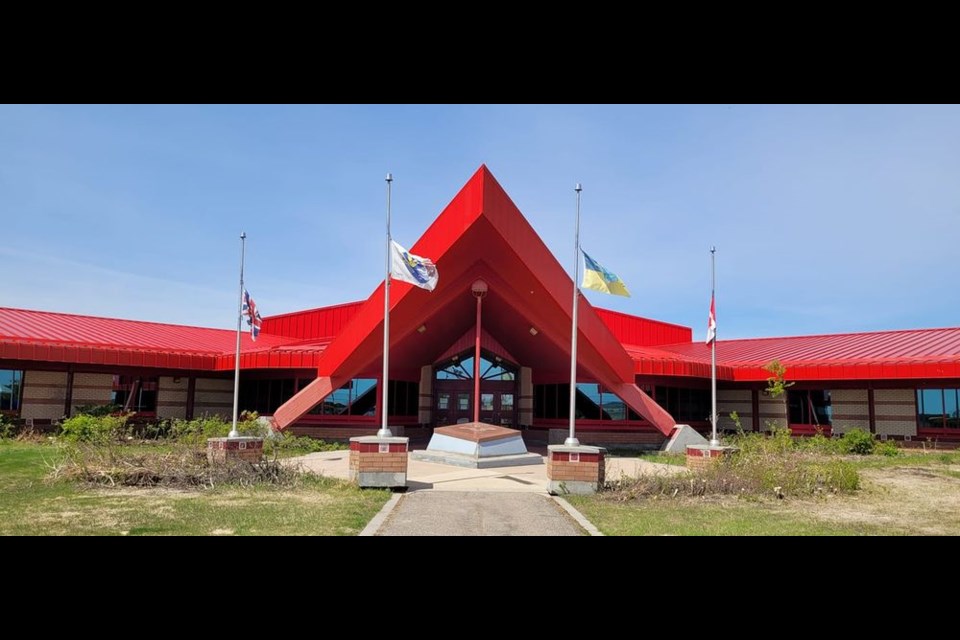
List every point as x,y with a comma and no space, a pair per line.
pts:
826,218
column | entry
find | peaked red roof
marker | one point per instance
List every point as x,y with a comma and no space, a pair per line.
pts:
480,234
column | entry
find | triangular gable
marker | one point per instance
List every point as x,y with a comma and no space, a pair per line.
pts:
482,234
468,341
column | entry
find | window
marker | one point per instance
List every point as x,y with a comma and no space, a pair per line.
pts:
135,393
356,398
506,402
443,401
938,408
11,382
552,401
403,398
486,402
685,405
463,401
810,407
461,368
265,396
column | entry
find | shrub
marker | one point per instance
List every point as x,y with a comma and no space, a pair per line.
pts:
286,442
779,440
179,466
7,429
197,431
97,429
858,441
819,443
757,473
886,448
97,410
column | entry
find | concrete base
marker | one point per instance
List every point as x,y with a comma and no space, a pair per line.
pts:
682,436
472,462
380,479
477,445
571,487
242,448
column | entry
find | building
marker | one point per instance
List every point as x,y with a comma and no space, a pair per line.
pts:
317,371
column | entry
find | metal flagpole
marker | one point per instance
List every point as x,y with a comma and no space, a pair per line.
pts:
384,431
571,440
713,348
236,372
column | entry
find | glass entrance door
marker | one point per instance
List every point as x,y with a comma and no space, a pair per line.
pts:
454,389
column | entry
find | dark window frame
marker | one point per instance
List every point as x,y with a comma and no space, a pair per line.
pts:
949,424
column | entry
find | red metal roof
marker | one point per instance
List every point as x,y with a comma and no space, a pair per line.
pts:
63,337
912,353
324,322
643,331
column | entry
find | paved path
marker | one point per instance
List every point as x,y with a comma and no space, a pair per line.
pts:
444,500
422,476
475,513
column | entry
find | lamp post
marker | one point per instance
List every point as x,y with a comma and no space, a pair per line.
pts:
479,290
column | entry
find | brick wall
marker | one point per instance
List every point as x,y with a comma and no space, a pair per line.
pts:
425,410
895,411
44,394
589,468
699,458
850,410
525,401
739,400
773,409
365,458
92,388
172,397
213,397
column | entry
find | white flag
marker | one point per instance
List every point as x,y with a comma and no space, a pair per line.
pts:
413,269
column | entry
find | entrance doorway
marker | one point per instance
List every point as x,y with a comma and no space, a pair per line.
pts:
454,389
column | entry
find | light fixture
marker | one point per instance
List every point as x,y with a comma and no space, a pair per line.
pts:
421,328
498,359
479,288
533,331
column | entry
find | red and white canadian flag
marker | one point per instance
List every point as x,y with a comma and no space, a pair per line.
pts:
712,322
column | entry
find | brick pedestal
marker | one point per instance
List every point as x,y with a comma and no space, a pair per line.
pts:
578,470
221,450
379,462
701,456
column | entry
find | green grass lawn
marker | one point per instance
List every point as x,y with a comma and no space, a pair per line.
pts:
908,458
651,456
700,517
30,505
915,493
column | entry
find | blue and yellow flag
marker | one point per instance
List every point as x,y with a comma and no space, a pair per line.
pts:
599,279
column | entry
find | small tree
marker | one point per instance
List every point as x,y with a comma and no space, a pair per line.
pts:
735,417
776,386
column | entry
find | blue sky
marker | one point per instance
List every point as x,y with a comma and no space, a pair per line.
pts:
826,218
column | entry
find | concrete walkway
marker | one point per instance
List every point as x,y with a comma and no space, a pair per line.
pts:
478,513
422,476
444,500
